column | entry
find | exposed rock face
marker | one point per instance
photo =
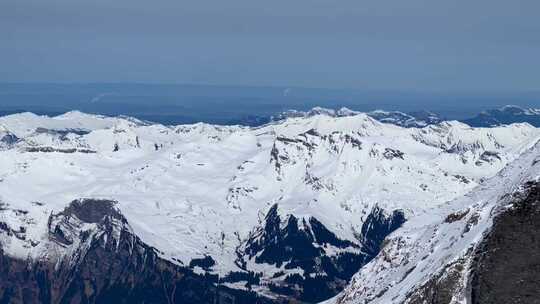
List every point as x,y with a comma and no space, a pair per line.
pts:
505,265
376,227
507,262
62,132
7,139
107,264
327,262
443,287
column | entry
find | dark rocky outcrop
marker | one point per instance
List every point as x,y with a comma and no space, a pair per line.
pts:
9,139
107,264
62,134
377,226
292,242
58,150
393,153
441,288
488,157
506,265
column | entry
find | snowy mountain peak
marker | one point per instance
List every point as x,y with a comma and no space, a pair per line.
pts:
346,112
78,115
324,124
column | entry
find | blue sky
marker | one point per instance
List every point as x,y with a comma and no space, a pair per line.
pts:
385,44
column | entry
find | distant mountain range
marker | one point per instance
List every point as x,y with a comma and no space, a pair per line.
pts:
505,115
408,120
490,118
416,119
173,104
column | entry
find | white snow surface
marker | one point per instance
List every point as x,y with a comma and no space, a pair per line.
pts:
196,190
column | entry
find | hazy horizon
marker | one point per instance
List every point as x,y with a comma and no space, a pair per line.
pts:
177,103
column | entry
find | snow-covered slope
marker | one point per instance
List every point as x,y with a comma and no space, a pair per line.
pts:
213,197
437,256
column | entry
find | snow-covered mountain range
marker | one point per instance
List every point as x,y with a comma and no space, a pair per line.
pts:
414,119
505,115
289,210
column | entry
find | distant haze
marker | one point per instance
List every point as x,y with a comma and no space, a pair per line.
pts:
422,45
176,104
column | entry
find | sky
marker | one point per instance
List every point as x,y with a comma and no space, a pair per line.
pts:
422,45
